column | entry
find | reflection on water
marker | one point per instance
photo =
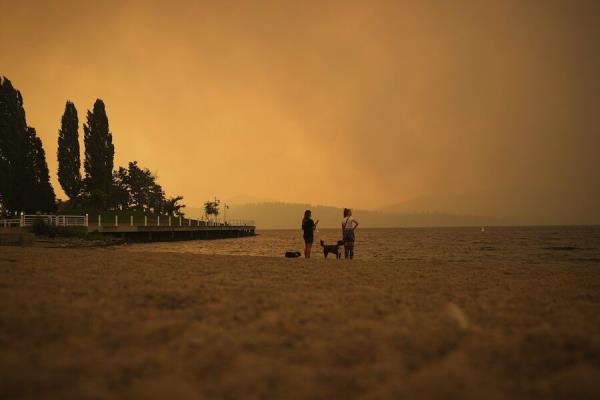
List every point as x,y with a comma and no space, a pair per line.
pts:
574,245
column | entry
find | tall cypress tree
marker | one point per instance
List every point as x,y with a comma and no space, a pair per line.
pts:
24,178
4,148
99,151
69,161
12,135
42,197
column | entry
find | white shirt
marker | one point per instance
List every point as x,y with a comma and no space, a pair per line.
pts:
347,222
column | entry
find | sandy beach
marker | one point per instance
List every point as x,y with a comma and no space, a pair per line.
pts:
110,322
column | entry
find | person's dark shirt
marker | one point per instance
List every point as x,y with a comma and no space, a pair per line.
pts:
308,228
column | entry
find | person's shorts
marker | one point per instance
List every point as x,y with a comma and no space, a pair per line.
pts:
348,235
308,240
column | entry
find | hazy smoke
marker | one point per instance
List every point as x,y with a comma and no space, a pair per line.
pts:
487,107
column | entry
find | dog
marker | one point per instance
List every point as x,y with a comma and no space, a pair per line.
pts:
333,248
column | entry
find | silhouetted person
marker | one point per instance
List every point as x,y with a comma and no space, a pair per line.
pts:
349,224
308,226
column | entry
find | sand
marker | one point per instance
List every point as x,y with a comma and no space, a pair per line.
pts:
104,323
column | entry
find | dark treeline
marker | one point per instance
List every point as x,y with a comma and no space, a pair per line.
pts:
135,188
102,188
24,178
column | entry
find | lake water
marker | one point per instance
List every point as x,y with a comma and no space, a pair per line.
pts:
577,245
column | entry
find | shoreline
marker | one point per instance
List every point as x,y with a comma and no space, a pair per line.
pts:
112,322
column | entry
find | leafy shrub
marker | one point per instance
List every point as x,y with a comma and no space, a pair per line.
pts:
41,228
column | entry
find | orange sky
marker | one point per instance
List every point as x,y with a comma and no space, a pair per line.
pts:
364,104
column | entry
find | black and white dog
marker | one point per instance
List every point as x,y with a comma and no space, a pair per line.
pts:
333,248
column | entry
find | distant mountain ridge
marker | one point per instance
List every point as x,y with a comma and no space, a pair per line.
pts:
463,204
280,215
511,208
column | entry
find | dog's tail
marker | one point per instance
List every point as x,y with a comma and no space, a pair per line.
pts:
322,243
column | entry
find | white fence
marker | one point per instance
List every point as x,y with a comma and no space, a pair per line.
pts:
55,220
237,222
7,223
109,220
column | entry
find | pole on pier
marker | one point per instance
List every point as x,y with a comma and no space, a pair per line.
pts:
189,222
87,220
116,220
158,220
169,220
131,221
99,220
22,220
180,220
145,220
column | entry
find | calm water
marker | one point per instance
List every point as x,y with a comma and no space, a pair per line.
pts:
579,245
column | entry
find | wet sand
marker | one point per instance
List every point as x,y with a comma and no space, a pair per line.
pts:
103,323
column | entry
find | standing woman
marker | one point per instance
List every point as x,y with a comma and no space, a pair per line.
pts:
349,224
308,226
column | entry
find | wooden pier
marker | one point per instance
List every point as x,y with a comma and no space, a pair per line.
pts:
158,228
165,233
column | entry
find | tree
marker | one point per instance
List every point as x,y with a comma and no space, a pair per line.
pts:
12,143
144,193
69,161
136,188
156,198
99,151
172,207
120,193
212,208
24,178
42,197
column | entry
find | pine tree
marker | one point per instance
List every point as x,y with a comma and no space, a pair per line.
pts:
99,152
69,161
24,179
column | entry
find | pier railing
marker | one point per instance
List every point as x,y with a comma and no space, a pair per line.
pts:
25,220
8,223
115,220
55,220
